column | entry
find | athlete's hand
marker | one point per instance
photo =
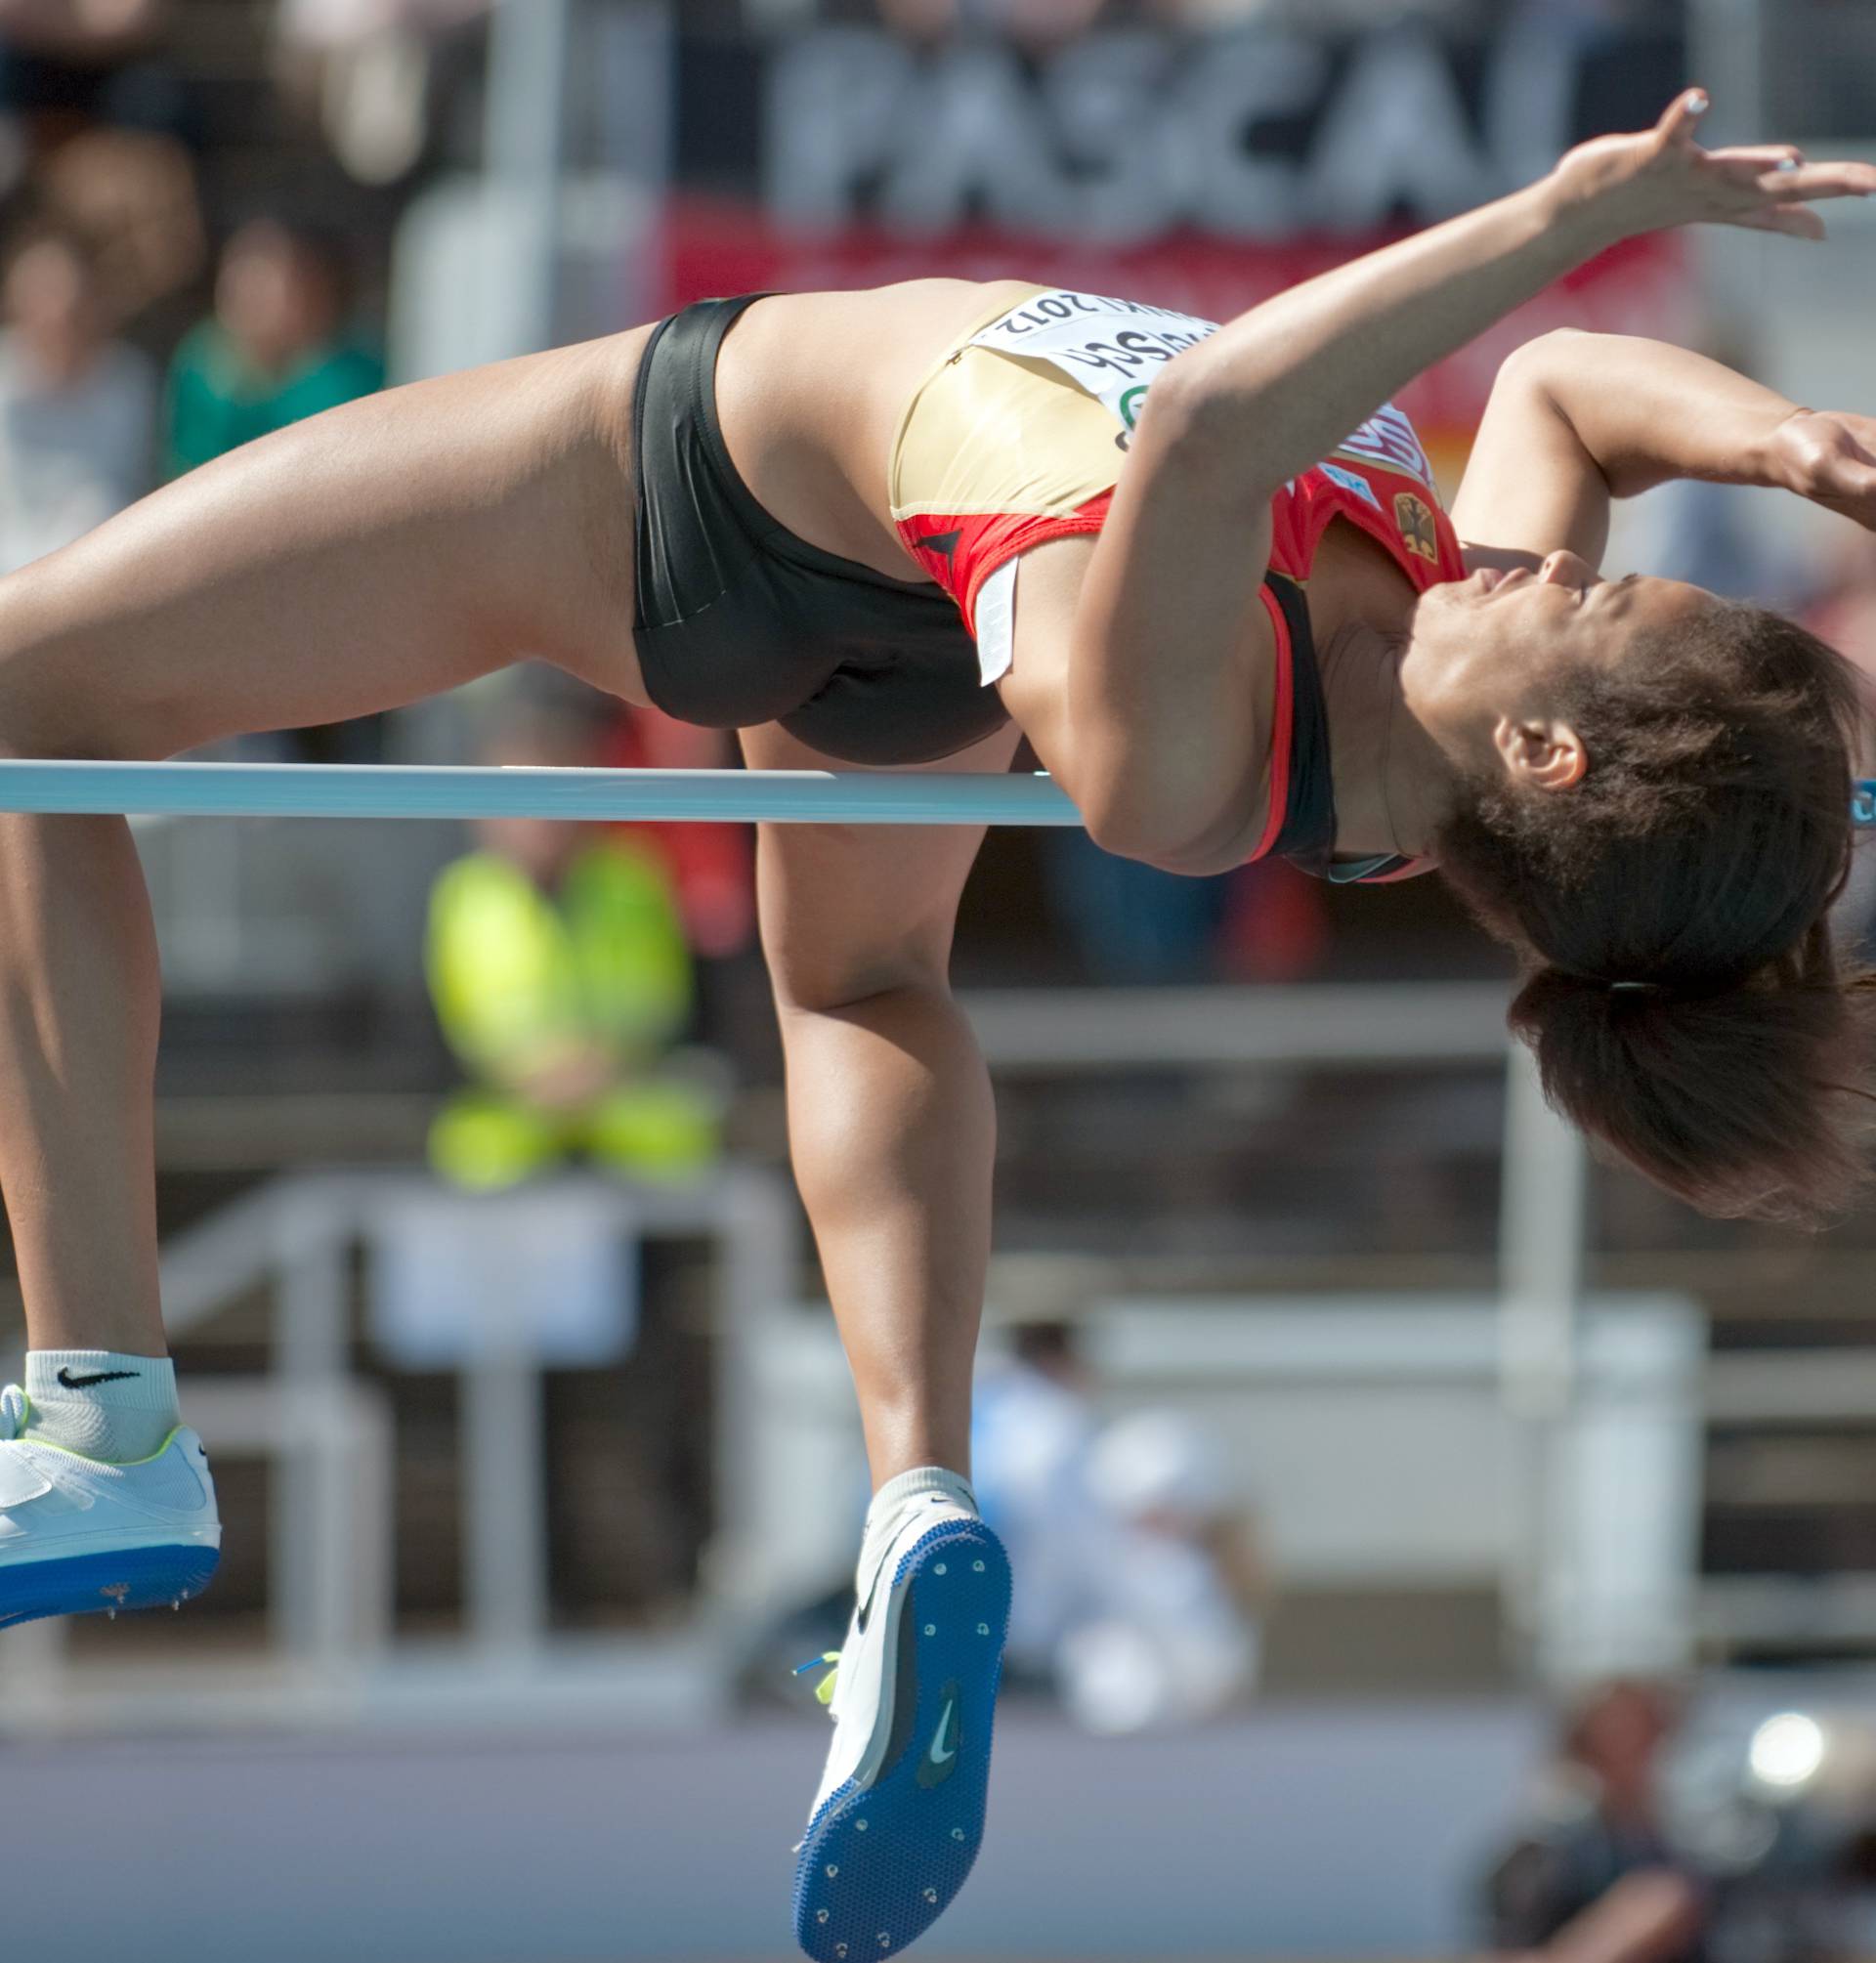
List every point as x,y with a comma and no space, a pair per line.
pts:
1828,456
1661,177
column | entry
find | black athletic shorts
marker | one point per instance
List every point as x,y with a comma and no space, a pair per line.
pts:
737,622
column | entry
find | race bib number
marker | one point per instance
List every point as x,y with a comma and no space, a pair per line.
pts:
1110,348
1114,348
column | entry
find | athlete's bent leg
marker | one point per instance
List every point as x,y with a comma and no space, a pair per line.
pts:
891,1126
892,1135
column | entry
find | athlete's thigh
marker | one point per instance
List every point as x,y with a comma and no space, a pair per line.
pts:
376,554
849,910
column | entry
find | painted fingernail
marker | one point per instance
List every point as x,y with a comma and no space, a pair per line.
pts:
1787,163
1697,102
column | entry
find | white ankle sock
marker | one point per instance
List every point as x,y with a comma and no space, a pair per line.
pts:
100,1402
899,1496
921,1479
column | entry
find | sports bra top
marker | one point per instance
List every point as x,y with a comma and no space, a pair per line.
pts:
1017,437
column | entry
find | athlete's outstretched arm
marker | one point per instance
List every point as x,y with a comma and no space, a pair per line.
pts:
1165,695
1280,386
1576,419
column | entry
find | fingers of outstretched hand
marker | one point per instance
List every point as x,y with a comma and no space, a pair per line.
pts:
1758,157
1791,221
1741,188
1805,183
1665,178
1680,117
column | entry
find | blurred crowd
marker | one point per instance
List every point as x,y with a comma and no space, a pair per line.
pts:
1049,22
168,293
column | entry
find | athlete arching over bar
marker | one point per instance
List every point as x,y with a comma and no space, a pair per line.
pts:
811,529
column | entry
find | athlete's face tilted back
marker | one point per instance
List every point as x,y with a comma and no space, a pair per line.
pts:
1490,659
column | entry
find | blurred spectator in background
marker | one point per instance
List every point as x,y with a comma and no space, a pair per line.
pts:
368,71
279,347
1032,1428
1172,1636
97,117
1591,1874
77,409
132,199
1139,1577
561,979
65,64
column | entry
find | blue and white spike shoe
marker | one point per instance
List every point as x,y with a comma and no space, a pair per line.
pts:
78,1536
900,1814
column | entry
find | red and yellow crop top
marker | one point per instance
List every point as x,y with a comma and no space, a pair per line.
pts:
1017,437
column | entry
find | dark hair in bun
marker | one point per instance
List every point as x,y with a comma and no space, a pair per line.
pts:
1681,992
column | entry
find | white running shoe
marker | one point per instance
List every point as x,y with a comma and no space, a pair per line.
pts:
78,1536
899,1817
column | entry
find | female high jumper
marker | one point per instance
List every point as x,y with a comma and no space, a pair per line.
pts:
911,524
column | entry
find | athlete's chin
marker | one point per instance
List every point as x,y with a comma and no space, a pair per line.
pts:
1448,651
1443,624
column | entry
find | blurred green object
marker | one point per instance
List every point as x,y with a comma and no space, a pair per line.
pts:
561,1004
217,400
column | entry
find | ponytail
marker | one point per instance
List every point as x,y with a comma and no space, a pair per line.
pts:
1743,1100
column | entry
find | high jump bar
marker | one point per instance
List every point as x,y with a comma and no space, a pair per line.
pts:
466,790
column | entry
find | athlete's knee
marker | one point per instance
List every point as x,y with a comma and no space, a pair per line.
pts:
47,709
37,727
827,982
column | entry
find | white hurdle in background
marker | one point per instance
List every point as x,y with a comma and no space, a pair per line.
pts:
466,790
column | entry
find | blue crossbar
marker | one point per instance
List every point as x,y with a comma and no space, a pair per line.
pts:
397,791
463,790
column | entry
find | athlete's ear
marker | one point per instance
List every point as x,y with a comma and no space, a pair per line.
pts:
1543,754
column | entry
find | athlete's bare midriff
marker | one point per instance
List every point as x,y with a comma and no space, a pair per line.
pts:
811,388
